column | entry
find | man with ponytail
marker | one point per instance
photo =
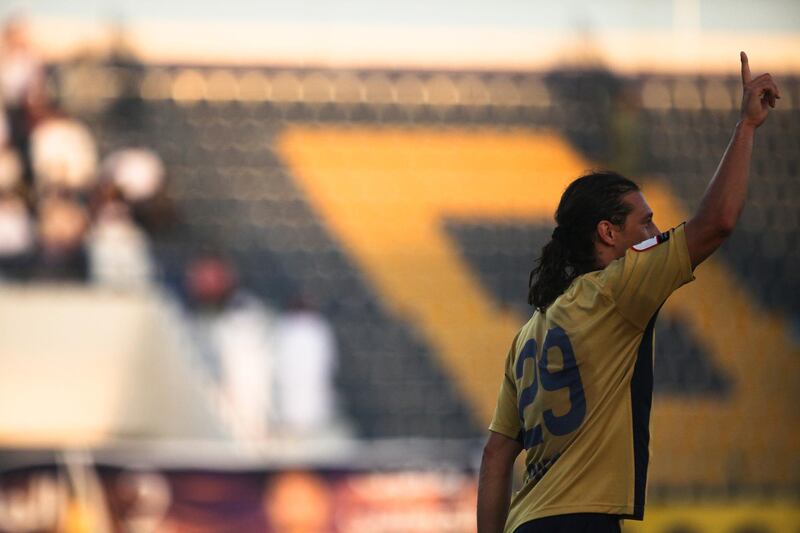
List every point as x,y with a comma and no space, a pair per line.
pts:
578,382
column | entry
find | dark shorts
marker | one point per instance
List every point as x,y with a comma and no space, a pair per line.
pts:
573,523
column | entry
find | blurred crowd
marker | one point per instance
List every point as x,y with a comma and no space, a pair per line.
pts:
65,215
71,215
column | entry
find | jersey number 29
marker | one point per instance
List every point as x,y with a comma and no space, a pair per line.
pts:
568,377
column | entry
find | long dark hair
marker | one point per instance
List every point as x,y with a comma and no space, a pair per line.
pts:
571,252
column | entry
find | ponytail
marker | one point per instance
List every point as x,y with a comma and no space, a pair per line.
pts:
551,276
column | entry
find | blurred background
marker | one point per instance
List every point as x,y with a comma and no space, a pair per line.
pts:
261,262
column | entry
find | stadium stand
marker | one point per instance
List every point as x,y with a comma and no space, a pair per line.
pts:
219,132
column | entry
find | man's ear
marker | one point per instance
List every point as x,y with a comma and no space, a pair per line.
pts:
606,233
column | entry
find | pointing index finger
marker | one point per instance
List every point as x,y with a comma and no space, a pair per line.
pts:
745,68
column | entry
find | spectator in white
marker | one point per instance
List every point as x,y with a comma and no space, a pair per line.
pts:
237,329
16,237
306,362
137,172
139,175
119,252
21,80
64,155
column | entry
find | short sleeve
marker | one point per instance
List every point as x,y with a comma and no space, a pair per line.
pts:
649,273
506,417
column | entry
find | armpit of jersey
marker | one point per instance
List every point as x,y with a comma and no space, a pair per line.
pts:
651,242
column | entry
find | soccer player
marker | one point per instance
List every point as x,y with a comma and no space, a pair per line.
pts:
578,381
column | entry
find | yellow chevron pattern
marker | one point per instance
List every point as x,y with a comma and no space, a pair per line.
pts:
384,192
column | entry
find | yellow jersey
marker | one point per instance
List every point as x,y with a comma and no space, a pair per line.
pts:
578,386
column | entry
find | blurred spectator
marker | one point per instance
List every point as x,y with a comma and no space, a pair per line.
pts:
119,252
16,237
237,331
138,174
62,227
21,71
11,165
305,364
63,153
21,80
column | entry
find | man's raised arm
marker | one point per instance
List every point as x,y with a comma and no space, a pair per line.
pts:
723,201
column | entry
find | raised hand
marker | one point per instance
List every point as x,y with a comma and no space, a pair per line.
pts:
758,95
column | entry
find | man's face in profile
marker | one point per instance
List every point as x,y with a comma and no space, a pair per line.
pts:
639,225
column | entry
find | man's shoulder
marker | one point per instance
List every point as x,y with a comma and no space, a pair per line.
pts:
594,284
529,326
587,296
602,280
